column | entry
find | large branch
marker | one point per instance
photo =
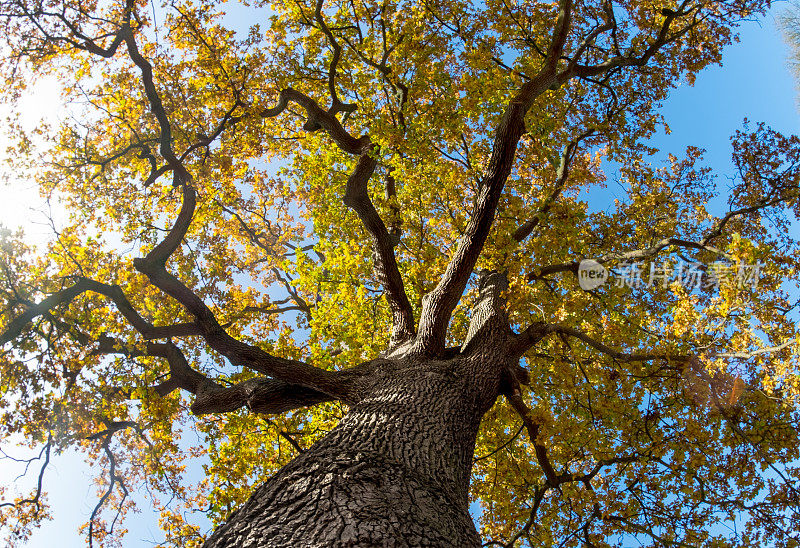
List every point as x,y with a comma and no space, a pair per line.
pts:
438,305
759,351
664,37
356,197
635,255
156,106
562,175
238,352
154,264
336,104
260,395
113,292
553,478
532,427
294,383
318,118
537,331
266,396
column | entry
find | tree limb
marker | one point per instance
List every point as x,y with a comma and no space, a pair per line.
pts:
635,255
562,175
537,331
664,37
357,198
336,105
319,118
113,292
156,106
438,305
645,253
260,395
153,265
532,427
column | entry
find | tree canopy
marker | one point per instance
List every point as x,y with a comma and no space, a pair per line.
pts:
256,214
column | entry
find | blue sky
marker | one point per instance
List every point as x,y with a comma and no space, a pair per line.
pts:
754,82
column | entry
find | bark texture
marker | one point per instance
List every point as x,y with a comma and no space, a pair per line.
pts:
395,471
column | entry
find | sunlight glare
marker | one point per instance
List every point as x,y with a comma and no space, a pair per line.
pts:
21,205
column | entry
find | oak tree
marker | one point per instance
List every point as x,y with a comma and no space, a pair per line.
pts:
344,249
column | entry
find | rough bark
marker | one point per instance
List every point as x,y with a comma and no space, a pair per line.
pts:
395,471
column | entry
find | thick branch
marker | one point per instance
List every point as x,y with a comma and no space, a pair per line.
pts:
156,106
319,118
153,265
758,352
719,227
664,37
356,195
439,304
357,198
716,231
265,396
635,255
258,395
537,331
238,352
113,292
532,427
336,104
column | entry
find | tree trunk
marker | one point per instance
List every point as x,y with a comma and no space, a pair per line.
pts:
394,472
